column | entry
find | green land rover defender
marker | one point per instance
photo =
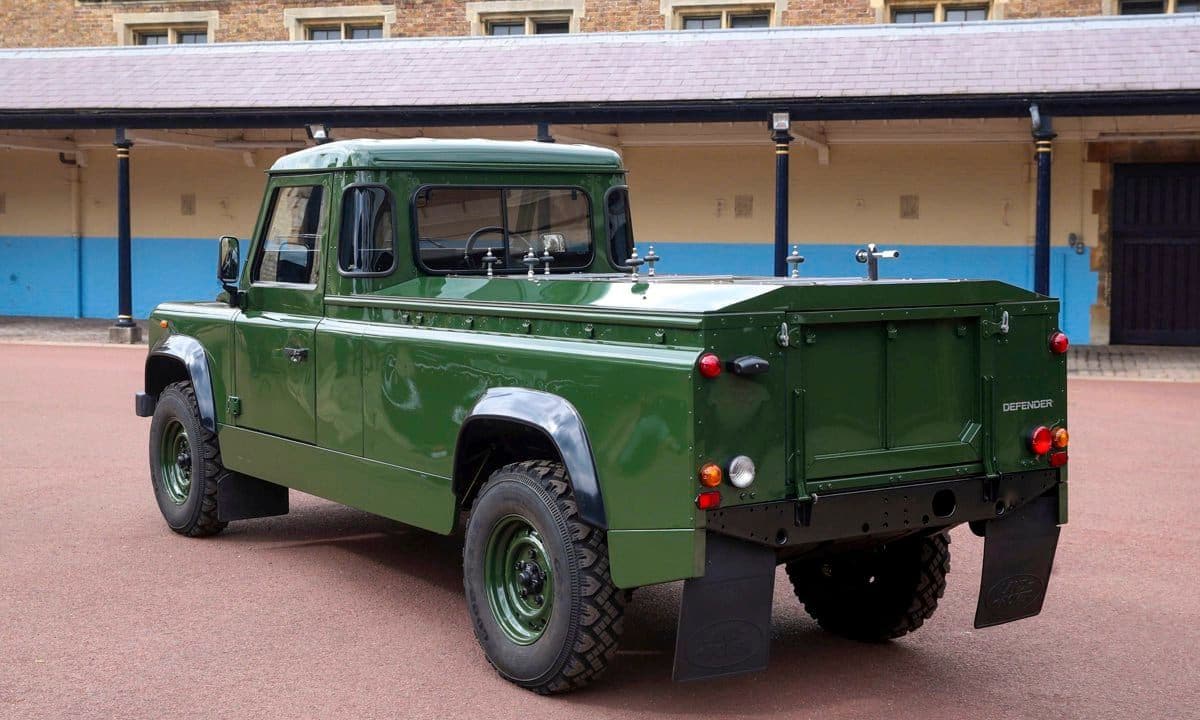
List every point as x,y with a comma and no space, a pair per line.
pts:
461,335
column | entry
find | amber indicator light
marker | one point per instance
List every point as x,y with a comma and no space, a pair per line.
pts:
710,475
1061,437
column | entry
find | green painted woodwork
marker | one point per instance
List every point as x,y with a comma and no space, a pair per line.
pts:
879,383
518,578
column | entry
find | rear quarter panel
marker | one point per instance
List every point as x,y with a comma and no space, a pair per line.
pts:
1029,386
420,384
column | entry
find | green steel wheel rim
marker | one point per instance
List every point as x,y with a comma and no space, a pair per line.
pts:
175,461
518,580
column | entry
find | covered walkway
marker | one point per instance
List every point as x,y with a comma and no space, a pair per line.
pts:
920,137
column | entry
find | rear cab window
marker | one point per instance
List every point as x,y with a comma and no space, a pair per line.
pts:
457,226
367,242
619,224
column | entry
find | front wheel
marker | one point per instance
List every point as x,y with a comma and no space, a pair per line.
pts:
185,464
542,601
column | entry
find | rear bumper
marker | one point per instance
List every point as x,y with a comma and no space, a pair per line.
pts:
725,615
787,524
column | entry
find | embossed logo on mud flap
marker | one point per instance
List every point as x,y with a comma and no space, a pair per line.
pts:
725,644
1014,593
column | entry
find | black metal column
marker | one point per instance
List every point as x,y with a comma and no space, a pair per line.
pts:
1043,136
783,141
124,243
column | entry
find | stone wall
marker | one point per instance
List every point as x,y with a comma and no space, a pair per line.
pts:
56,23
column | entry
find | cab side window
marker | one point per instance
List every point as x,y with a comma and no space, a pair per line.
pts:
367,245
620,226
291,247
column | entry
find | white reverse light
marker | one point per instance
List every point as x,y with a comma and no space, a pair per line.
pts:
741,471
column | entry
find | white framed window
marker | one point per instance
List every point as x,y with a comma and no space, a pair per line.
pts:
721,14
346,30
723,17
905,13
536,24
342,22
166,28
1157,7
501,18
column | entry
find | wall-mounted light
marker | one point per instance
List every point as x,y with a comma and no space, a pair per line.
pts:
318,133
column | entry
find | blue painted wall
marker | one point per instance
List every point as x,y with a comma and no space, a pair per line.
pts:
62,277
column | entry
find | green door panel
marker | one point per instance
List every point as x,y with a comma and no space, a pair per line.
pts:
842,371
933,381
411,497
892,395
420,384
275,336
277,391
339,395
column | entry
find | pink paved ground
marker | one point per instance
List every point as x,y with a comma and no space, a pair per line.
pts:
331,612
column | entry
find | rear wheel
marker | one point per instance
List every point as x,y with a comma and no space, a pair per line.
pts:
185,464
542,601
878,594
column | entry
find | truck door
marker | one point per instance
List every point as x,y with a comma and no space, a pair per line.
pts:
275,335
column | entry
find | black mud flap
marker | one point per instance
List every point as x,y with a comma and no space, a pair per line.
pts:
1017,556
240,497
725,616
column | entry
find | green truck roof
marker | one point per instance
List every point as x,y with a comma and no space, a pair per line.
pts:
424,152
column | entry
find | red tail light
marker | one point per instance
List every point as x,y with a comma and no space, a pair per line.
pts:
709,365
709,500
1059,343
1040,440
1058,459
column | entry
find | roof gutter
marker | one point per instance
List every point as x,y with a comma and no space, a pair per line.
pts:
848,108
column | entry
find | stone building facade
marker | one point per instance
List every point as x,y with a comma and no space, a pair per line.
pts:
76,23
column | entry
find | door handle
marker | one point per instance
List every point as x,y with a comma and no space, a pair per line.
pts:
296,355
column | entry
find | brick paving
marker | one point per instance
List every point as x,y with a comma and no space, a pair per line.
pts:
1135,362
330,612
39,330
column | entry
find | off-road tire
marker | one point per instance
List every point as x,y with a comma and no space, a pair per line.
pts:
196,516
580,636
875,595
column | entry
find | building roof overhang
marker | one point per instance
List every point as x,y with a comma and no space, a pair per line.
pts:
1075,67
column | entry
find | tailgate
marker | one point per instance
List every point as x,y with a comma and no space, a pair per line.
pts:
886,396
